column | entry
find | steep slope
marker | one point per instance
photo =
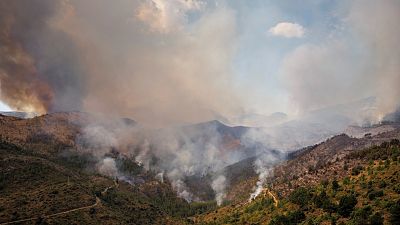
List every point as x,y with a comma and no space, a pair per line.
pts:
47,176
370,194
315,185
33,186
311,165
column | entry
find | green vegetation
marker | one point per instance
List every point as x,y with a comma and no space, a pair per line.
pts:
346,205
368,196
294,217
47,175
34,185
301,196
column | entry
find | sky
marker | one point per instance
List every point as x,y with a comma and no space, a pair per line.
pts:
178,61
261,51
4,107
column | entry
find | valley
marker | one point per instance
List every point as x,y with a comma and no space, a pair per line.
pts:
50,178
199,112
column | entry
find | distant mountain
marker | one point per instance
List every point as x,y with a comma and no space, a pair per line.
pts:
202,128
258,120
23,115
208,147
342,180
318,125
393,117
226,139
360,112
107,178
368,131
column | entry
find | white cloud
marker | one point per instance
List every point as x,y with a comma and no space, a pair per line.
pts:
287,30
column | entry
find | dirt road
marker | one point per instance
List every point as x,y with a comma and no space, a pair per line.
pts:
97,202
273,197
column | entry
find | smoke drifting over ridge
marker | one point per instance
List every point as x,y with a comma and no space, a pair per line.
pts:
108,57
144,59
166,62
199,151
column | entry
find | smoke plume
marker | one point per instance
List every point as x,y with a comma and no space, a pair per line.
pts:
39,64
358,61
166,62
138,59
174,153
219,185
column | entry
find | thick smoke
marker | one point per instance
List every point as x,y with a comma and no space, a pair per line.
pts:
174,153
166,62
108,167
155,56
149,60
219,185
360,60
39,64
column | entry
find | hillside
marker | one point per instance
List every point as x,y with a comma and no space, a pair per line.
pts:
368,194
46,177
32,185
50,174
340,181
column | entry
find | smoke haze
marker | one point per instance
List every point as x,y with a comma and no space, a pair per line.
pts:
103,57
174,62
340,70
146,59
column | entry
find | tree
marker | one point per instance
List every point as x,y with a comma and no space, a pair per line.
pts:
301,196
335,185
322,201
374,194
347,204
395,213
295,217
360,216
376,219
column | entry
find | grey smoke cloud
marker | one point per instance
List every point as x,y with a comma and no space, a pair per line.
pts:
172,153
111,57
139,59
219,185
360,61
40,67
146,59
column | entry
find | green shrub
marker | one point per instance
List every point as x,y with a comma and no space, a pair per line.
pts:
376,219
395,213
397,189
374,194
346,205
356,170
322,201
301,196
361,216
335,185
259,205
295,217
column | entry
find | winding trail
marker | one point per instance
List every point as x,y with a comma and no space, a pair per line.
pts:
276,201
98,202
266,192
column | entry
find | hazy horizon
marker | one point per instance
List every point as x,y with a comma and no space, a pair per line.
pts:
176,62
